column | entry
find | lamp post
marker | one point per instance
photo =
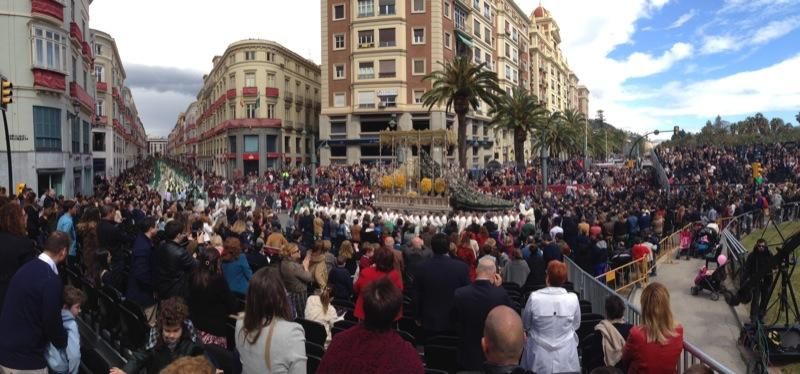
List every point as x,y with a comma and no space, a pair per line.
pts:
635,143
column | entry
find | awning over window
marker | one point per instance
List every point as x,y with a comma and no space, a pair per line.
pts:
464,38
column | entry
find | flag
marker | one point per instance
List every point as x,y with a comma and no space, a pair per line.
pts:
258,101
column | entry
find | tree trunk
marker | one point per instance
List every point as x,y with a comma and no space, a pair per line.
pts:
460,106
519,148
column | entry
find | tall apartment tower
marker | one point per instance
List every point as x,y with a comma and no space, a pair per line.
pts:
376,52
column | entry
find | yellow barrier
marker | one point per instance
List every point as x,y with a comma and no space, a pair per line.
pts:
625,276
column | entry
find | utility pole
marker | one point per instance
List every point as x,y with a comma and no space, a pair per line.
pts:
605,129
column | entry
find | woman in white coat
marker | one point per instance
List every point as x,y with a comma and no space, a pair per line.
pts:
551,318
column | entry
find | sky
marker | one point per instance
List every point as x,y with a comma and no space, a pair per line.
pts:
649,64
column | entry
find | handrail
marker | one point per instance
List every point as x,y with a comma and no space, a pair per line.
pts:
625,276
594,291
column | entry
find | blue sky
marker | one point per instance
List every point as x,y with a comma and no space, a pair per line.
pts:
649,64
652,64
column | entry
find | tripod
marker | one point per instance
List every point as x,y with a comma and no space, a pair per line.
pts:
786,302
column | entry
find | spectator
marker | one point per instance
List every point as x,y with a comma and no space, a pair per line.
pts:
609,338
194,365
471,305
317,264
66,224
384,267
758,278
465,253
363,348
32,310
88,241
339,279
654,346
319,309
435,284
414,254
174,341
502,341
17,249
174,264
347,253
551,317
517,270
235,266
210,299
140,280
276,238
266,340
296,277
69,361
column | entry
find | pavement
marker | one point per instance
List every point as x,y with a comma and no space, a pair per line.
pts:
710,325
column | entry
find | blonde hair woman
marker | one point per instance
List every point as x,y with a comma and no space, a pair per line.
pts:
655,345
296,277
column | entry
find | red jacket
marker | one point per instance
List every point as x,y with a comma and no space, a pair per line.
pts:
639,251
366,277
652,358
358,350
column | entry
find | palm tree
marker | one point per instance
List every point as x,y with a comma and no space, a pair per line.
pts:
555,135
577,121
461,85
521,113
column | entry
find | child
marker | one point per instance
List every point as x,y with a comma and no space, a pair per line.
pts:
174,341
68,361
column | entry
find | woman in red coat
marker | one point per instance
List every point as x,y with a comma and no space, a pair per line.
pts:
383,260
466,254
654,346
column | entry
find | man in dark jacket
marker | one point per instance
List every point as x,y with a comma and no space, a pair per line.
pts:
471,305
758,278
174,263
502,342
140,281
435,284
31,315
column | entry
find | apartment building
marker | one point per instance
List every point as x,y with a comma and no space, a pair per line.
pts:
156,146
258,109
46,52
376,52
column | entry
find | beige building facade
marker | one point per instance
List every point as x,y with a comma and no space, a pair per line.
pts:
376,52
258,109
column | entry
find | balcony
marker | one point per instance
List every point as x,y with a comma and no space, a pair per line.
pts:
231,94
288,96
249,91
49,79
102,87
366,45
115,92
87,51
75,33
48,8
309,102
272,92
299,99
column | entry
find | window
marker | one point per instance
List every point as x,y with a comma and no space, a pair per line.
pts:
339,100
487,11
99,72
447,9
386,37
366,99
338,71
47,128
508,72
338,41
366,8
476,4
270,56
271,80
366,39
418,67
86,131
508,50
366,70
447,40
419,6
49,49
76,134
388,101
387,69
488,59
514,34
249,79
250,110
99,105
250,143
419,35
418,96
250,55
99,142
487,36
338,12
386,7
98,49
460,18
272,143
477,56
270,110
476,28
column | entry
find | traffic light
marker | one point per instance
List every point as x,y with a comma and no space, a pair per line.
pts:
5,96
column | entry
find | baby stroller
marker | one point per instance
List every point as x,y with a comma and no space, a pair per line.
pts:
711,280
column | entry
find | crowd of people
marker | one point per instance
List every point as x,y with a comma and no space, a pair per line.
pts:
193,252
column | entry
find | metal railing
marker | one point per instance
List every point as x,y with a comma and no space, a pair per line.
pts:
623,278
592,290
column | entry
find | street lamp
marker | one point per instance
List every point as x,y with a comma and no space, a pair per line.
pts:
635,144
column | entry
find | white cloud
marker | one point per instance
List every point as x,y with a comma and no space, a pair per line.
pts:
717,44
686,17
774,30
